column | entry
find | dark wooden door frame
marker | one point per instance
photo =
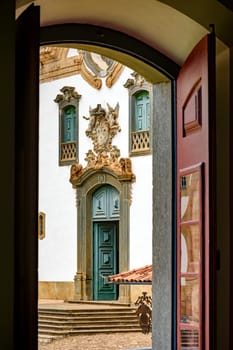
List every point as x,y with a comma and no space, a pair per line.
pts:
26,178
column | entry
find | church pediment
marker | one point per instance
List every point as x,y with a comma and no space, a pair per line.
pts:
60,62
78,178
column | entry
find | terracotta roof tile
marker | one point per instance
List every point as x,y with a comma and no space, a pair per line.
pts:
139,275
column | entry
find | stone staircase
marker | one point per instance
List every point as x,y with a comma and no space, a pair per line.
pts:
54,323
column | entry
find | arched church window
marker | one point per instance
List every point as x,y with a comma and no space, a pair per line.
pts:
140,115
141,120
68,125
69,129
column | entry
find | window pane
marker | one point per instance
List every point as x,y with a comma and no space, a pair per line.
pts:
190,196
190,301
190,249
190,259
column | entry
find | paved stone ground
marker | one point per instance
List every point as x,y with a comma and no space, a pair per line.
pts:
113,341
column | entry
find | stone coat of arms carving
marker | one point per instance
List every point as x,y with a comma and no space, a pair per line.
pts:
102,127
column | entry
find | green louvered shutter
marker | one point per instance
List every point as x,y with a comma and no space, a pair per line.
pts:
142,111
69,124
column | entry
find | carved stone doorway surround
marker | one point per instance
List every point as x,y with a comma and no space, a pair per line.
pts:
85,185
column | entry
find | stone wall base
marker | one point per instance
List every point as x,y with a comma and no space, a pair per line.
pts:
56,290
65,291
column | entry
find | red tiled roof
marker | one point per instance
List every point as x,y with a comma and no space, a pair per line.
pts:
140,275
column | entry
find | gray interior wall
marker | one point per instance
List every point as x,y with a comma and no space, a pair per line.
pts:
162,218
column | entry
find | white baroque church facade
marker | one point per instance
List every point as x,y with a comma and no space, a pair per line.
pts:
95,174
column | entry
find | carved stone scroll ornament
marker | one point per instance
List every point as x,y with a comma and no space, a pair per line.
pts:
68,93
76,170
102,127
136,81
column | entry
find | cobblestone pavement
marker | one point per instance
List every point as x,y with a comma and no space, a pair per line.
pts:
113,341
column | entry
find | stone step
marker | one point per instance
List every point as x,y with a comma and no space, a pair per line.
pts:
87,325
60,331
85,317
99,324
94,325
85,311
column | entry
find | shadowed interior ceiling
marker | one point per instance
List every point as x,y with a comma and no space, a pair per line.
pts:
171,27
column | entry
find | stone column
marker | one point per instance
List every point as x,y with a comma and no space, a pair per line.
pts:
162,218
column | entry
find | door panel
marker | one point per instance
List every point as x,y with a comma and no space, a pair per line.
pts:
26,177
105,260
106,203
196,198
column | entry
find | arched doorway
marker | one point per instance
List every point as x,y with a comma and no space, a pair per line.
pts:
160,203
97,222
154,65
163,182
171,230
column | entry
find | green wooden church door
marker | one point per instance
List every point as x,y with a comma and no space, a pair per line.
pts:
105,217
105,259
